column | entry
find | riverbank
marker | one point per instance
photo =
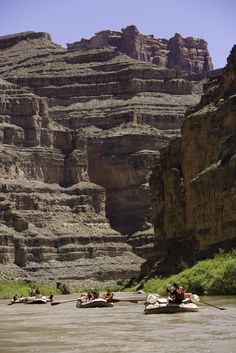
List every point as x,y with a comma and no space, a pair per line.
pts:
9,288
208,277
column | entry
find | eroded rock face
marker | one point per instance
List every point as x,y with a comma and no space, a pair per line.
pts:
121,160
48,229
79,131
13,39
189,55
57,234
194,192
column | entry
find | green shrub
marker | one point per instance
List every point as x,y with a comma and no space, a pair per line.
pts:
215,276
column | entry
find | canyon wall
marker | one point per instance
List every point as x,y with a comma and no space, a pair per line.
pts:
80,130
193,183
188,55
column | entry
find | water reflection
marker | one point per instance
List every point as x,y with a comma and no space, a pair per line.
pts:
124,328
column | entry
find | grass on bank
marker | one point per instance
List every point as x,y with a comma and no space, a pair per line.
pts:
9,288
215,276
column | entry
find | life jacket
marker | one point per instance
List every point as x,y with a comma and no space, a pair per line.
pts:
180,293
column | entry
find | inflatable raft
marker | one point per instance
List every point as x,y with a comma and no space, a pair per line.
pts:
170,308
156,305
95,303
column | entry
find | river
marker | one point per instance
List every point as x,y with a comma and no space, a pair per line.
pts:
123,328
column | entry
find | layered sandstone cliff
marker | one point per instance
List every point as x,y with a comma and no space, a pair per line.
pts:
193,183
80,130
53,221
189,55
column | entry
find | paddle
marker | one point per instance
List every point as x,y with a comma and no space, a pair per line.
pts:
114,300
64,301
195,298
214,306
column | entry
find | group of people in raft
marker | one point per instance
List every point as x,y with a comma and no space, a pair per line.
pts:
91,295
94,294
175,293
33,293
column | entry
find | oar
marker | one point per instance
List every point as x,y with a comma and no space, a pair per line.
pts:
113,301
64,301
195,298
214,306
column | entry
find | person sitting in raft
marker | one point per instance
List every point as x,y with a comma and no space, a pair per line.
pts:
15,298
108,296
32,293
177,294
95,294
50,297
169,289
37,293
89,296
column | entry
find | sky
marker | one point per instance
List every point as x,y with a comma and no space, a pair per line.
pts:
68,21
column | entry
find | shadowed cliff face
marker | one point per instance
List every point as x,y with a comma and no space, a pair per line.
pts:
80,130
194,193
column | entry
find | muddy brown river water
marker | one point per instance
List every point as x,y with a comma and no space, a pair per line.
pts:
123,328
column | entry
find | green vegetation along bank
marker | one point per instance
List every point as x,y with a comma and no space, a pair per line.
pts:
215,276
9,288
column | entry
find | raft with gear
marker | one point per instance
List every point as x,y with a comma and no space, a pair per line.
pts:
31,300
156,305
94,303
